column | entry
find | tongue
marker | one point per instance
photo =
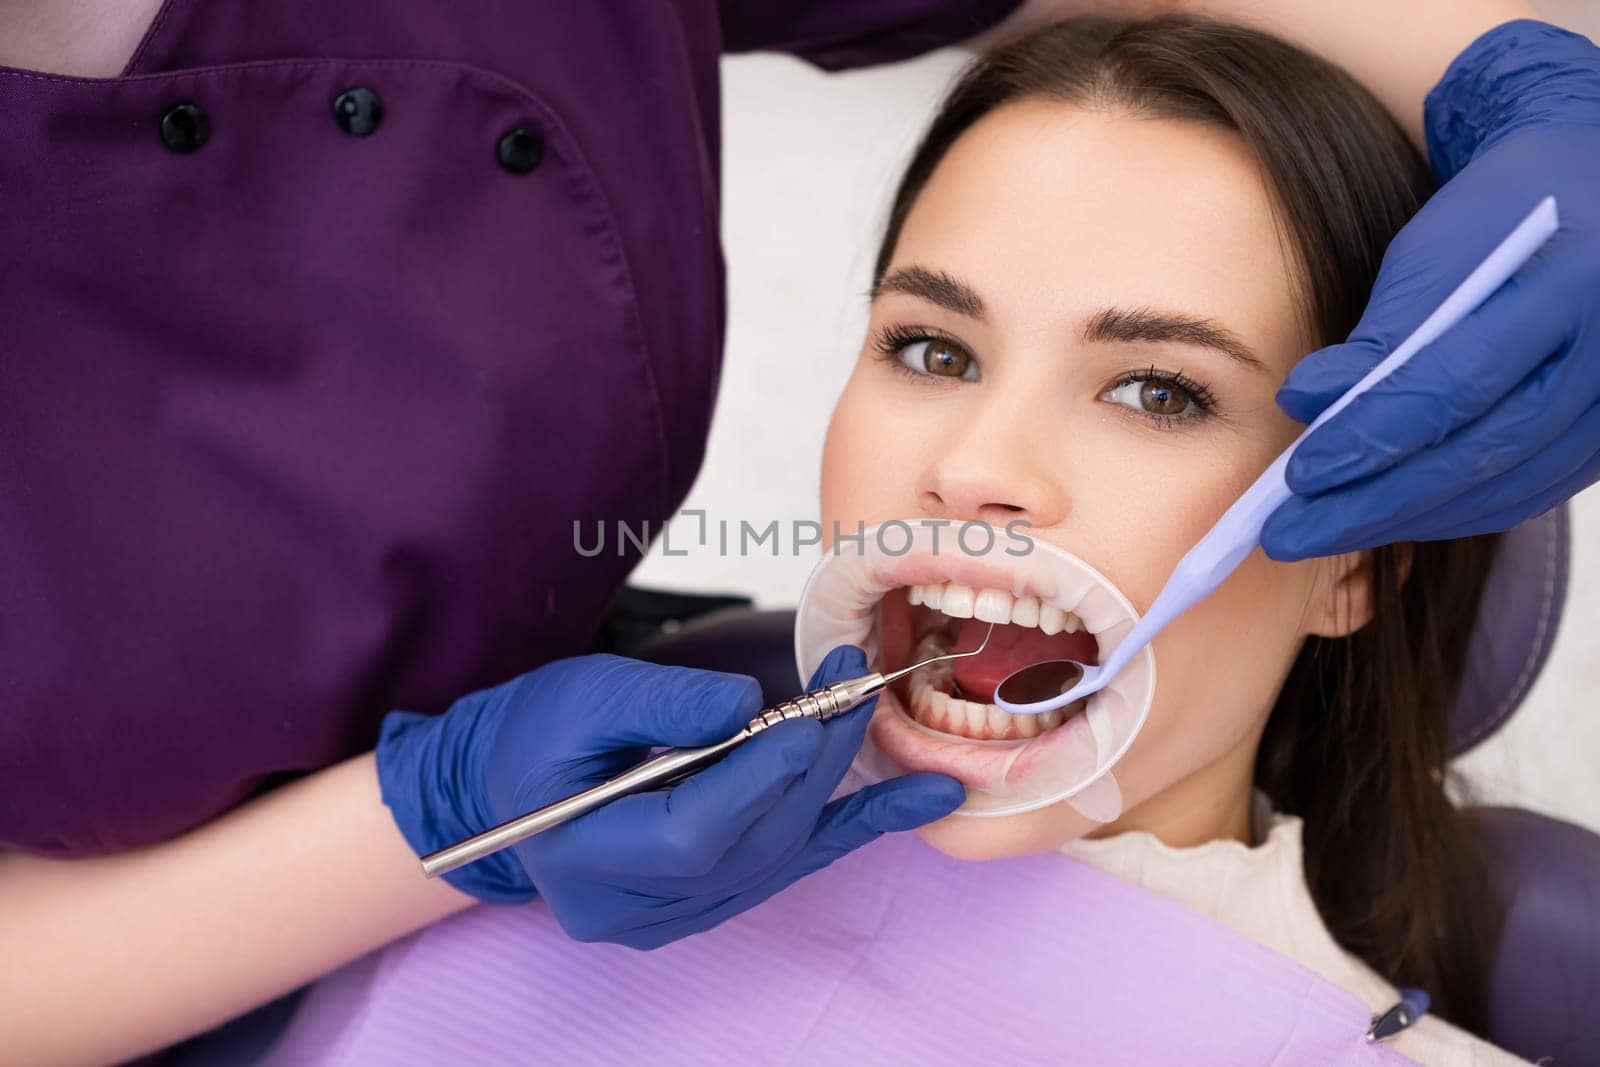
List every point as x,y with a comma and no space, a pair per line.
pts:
1011,648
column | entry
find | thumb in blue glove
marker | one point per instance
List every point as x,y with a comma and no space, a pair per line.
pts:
1498,420
650,868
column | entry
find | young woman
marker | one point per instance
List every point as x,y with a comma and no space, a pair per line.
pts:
1104,258
1113,244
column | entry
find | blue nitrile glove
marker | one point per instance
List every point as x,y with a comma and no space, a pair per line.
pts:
1499,419
650,868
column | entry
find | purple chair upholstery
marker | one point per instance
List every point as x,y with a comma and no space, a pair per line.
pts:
1545,992
1546,985
1526,591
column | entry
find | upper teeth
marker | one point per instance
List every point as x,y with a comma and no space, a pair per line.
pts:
993,605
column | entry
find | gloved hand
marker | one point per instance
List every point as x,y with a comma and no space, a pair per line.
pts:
1499,419
650,868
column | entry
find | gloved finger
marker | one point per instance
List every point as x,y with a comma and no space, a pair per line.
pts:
684,831
1324,376
1531,432
1515,493
1538,504
1544,481
1432,255
847,823
707,814
772,842
846,661
1410,284
1444,387
843,733
785,829
891,806
729,840
1326,525
1425,498
668,706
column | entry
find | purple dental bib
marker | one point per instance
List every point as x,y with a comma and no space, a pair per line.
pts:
895,954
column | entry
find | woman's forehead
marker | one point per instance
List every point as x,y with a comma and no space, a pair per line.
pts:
1051,210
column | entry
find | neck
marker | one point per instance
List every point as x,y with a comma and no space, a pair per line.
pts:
1211,804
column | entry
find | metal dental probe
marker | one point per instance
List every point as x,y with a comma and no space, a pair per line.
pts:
675,764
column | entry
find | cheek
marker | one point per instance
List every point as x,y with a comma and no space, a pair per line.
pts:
1221,664
1219,669
868,458
1142,499
841,475
1246,631
1229,653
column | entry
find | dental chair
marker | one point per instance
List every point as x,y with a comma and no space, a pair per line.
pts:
1545,993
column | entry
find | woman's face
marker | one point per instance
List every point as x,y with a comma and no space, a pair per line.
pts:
1083,326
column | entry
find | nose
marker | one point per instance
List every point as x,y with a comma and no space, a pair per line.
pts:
987,472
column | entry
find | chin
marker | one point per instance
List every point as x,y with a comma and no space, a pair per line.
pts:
977,839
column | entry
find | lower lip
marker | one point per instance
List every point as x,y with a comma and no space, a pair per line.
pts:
992,766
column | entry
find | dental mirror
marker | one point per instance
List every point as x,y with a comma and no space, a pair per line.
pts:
1038,682
1025,691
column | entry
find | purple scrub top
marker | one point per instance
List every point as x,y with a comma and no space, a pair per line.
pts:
319,329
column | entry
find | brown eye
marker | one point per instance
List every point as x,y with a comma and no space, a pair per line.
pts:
940,359
1161,398
946,360
1164,398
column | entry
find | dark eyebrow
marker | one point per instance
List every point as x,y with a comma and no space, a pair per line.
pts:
1145,324
936,287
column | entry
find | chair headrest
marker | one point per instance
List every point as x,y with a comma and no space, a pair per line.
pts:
1522,604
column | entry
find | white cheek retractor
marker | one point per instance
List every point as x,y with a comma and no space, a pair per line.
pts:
1070,763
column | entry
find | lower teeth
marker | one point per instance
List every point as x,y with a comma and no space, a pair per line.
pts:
937,702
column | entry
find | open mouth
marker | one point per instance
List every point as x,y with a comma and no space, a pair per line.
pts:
956,697
905,606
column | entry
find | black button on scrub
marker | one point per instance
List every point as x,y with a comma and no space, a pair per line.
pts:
521,150
185,127
358,111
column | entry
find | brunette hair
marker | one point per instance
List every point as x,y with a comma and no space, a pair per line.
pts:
1360,738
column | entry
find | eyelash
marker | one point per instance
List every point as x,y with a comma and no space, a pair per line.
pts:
1204,400
891,341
